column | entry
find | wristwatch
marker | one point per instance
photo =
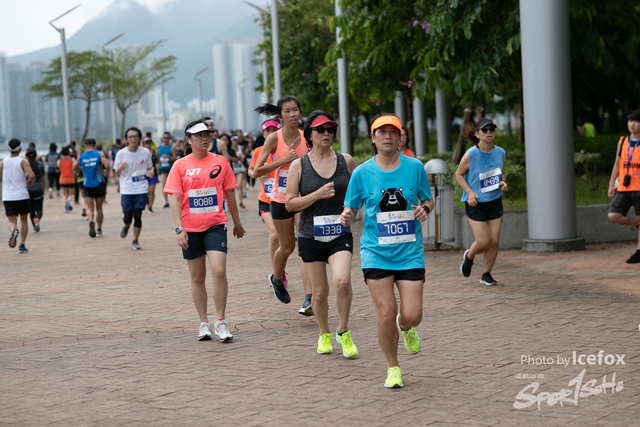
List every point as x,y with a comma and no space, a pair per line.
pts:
179,230
426,209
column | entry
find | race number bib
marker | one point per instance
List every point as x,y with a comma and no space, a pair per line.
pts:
396,227
282,180
327,228
165,162
203,200
139,176
490,181
267,185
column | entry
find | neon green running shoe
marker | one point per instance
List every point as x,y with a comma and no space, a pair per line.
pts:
324,344
412,338
394,378
349,349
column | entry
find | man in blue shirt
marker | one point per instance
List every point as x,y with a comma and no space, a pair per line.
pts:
93,164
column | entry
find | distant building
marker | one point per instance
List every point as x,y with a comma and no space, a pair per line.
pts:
234,83
5,125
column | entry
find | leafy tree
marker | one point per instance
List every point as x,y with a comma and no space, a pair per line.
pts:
87,75
137,73
305,38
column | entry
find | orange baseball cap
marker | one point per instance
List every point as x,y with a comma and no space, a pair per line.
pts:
386,120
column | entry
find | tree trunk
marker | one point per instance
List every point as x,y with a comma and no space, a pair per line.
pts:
462,143
86,122
124,114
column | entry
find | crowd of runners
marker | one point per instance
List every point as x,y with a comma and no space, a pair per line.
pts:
309,194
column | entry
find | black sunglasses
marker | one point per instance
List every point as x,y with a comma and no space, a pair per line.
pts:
322,130
488,129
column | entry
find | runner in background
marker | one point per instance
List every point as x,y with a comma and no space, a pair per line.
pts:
284,146
269,126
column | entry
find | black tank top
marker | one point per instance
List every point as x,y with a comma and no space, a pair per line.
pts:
310,181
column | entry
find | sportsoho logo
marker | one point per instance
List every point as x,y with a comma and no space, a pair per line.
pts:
577,387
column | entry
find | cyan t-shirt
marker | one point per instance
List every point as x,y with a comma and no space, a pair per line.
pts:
391,238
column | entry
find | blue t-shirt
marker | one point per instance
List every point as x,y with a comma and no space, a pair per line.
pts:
391,238
165,157
92,168
485,173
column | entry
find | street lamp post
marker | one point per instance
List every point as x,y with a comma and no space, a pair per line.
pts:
275,39
114,131
65,81
195,77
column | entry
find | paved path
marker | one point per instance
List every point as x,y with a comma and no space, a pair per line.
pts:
95,334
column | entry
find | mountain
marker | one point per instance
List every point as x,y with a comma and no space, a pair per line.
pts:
189,28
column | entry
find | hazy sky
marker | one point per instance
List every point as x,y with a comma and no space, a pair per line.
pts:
24,24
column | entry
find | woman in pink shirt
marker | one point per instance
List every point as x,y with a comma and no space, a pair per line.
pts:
198,184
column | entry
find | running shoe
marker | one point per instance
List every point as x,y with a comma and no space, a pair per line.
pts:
22,249
124,231
50,195
99,233
324,344
151,210
487,280
349,349
465,267
412,338
84,211
394,378
13,238
205,332
222,330
166,204
92,229
634,259
284,278
69,207
36,225
306,309
279,291
135,245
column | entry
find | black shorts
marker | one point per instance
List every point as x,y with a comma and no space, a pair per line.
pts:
263,207
278,211
484,211
16,207
311,250
413,274
96,192
212,239
68,185
52,178
623,200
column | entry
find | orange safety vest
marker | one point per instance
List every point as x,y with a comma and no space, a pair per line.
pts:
629,166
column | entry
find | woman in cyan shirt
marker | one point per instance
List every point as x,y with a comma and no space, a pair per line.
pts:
198,184
393,190
481,176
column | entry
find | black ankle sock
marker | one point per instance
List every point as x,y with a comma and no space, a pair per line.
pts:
307,297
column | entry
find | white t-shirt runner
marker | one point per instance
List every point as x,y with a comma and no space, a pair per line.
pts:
133,178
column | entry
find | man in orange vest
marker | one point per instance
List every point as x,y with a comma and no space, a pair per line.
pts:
624,185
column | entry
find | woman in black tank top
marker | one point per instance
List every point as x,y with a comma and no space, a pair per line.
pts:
317,184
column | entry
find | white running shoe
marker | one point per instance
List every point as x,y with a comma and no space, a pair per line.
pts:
221,329
205,332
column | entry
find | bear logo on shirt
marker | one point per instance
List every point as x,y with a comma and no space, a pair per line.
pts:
392,200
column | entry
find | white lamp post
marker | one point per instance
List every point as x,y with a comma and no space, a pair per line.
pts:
195,77
114,131
65,81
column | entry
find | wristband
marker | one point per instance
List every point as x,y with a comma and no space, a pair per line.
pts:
426,209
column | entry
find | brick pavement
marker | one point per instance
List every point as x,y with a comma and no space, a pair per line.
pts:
95,334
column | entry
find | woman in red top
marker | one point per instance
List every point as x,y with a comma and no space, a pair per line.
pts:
197,185
67,178
284,146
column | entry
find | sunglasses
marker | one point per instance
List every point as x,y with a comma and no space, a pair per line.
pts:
322,130
488,129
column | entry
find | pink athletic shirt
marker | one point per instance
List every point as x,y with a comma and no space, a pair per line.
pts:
202,184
